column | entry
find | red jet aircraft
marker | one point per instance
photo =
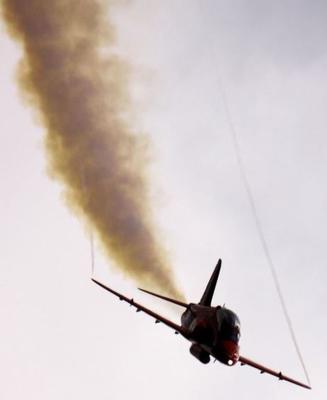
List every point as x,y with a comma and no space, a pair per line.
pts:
213,331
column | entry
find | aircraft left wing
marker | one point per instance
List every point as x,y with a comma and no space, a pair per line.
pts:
139,307
263,370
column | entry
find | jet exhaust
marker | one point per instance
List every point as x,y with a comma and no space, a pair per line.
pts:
81,95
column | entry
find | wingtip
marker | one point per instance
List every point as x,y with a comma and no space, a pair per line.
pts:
95,281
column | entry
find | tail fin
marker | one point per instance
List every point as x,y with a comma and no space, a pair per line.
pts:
179,303
208,293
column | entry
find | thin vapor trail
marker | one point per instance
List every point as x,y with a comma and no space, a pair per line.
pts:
81,94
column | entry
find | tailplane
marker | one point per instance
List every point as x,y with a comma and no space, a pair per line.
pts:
210,289
179,303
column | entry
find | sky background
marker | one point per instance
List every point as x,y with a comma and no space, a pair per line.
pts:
61,336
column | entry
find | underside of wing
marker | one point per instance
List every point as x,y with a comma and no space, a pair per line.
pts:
263,369
139,307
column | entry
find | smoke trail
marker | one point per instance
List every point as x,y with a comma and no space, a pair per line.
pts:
83,102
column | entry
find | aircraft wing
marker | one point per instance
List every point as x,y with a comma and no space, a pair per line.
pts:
263,370
139,307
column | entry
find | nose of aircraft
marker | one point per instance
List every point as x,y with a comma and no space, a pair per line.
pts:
231,350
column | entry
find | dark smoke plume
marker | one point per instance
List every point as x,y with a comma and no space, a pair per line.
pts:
82,99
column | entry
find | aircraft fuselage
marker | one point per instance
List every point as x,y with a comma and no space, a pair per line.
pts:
212,330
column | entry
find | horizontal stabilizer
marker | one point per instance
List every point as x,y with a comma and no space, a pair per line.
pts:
179,303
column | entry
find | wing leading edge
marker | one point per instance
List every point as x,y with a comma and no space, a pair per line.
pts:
139,307
263,370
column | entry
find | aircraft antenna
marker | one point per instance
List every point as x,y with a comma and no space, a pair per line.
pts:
249,193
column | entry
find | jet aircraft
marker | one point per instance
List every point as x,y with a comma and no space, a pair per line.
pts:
213,331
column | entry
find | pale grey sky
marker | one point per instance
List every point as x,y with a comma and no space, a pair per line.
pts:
61,337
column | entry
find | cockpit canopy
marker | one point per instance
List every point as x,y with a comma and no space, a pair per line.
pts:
229,325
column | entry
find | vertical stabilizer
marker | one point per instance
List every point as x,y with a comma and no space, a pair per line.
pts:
210,289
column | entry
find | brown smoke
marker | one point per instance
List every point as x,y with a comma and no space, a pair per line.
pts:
82,99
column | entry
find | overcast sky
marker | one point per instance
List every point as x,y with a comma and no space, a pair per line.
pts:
62,337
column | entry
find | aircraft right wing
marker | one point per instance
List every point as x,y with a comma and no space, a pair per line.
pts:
139,307
263,370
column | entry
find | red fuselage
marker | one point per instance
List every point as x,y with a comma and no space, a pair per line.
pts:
213,331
